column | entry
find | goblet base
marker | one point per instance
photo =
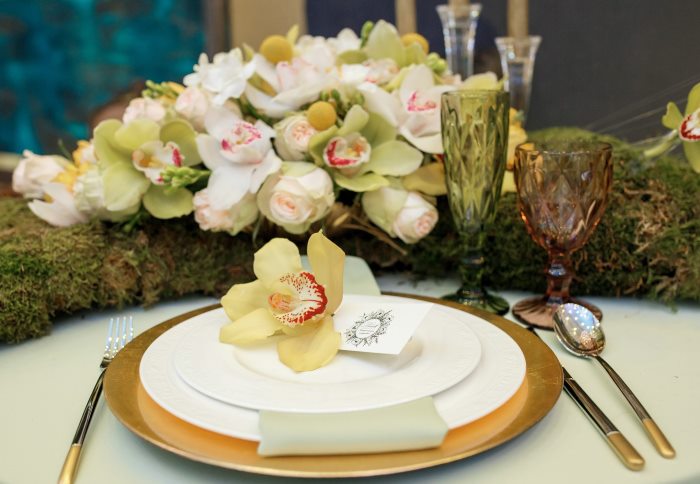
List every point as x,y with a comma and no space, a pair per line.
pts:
538,311
481,300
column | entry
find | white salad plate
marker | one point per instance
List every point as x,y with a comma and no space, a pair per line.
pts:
441,352
499,374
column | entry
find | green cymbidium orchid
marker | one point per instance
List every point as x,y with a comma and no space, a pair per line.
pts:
687,126
132,158
363,152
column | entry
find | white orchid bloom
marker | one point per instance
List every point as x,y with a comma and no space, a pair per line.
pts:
34,171
153,157
414,108
239,154
225,77
61,211
316,51
296,83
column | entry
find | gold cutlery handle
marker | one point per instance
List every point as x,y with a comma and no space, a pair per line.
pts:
663,446
623,449
70,465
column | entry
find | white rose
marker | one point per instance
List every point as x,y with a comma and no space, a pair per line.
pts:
400,213
415,220
292,139
297,196
144,108
231,220
34,171
192,104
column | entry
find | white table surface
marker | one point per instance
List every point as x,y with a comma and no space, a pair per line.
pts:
44,384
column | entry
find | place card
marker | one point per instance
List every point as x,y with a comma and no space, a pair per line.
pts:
371,324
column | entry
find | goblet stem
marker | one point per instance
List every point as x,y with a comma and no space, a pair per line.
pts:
559,276
471,271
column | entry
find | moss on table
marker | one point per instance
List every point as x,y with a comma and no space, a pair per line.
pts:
647,245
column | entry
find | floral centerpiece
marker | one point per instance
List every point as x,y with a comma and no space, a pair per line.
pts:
303,127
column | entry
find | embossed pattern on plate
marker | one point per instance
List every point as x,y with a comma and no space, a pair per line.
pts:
442,352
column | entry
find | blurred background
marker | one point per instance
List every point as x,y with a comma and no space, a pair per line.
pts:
610,66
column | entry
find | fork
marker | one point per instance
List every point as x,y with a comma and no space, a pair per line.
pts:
118,335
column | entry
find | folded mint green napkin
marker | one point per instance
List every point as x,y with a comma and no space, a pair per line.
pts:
409,426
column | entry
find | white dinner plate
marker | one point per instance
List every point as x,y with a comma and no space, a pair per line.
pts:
441,352
500,373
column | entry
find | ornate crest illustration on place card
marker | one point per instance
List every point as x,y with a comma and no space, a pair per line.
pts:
369,327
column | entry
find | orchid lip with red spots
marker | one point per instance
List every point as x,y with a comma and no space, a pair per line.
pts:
308,299
689,129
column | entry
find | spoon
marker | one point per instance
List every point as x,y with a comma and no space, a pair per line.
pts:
580,332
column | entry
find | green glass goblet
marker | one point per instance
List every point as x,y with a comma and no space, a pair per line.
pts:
475,137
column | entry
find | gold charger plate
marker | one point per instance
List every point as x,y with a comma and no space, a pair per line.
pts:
139,413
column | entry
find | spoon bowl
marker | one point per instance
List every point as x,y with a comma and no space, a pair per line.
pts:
579,330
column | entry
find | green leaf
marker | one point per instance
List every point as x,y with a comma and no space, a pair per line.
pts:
693,100
318,142
692,152
131,136
164,203
395,158
378,130
361,183
181,132
106,150
354,121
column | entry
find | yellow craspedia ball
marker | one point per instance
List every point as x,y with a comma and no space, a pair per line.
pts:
321,115
276,48
408,39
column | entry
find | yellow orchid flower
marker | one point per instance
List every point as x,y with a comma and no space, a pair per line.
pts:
287,300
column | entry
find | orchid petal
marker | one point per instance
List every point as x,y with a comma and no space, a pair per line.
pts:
394,158
673,117
351,57
124,186
693,100
317,143
311,350
378,130
252,328
485,81
419,78
266,104
210,150
181,132
428,179
242,299
377,100
132,135
361,183
354,121
327,263
269,165
219,120
383,205
429,144
165,203
384,41
228,184
692,153
275,259
107,151
61,211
